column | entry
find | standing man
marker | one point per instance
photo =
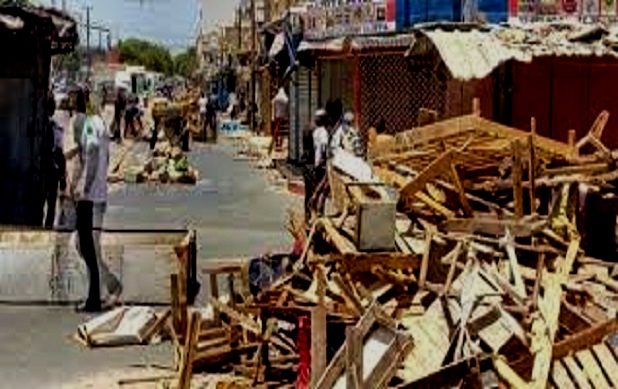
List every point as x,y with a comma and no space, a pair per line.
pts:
315,144
203,102
56,174
119,107
89,190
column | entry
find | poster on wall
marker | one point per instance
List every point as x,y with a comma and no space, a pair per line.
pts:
590,9
355,18
608,8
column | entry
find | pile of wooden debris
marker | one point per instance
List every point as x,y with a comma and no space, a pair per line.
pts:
493,266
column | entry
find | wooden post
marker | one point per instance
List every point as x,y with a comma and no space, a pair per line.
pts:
476,106
422,278
318,330
354,358
186,364
214,293
573,150
532,165
230,283
517,185
175,303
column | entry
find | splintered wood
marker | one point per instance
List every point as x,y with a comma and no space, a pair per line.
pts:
500,275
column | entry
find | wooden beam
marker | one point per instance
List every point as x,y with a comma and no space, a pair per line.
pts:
186,365
584,339
491,225
461,192
214,294
532,165
442,163
425,262
354,358
518,197
364,262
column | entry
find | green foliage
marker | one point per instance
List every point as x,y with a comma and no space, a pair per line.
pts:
153,56
186,63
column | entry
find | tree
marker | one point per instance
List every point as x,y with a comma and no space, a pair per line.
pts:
186,63
152,56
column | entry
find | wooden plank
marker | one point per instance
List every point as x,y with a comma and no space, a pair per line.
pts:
592,369
175,306
577,373
516,174
461,192
354,358
186,365
490,225
532,165
585,338
387,366
214,294
608,362
442,163
318,344
560,376
425,261
364,262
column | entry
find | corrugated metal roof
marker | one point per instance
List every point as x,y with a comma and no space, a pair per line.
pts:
467,55
473,53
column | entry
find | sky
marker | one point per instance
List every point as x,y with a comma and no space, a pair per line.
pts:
173,23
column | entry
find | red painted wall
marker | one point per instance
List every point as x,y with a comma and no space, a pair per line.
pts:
566,93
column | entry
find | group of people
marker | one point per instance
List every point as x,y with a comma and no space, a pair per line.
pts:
334,132
127,108
85,191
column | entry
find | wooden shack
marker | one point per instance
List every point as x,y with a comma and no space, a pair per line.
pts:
29,37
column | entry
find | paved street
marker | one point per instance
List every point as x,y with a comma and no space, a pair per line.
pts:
235,213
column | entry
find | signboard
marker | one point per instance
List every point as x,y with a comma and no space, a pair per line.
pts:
549,10
353,18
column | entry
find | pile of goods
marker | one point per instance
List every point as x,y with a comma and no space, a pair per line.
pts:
167,165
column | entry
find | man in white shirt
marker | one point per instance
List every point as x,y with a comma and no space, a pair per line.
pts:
89,191
203,101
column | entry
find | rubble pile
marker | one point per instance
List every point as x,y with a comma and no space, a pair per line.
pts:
492,264
484,276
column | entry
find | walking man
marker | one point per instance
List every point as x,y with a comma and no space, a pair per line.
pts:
89,191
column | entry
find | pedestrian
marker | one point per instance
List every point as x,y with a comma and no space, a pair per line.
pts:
130,117
315,164
55,176
203,102
211,117
89,191
334,113
120,104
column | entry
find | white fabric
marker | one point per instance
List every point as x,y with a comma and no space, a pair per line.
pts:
202,104
90,179
320,145
280,105
336,139
353,166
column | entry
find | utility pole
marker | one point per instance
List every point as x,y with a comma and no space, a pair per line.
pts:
253,63
239,15
88,54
